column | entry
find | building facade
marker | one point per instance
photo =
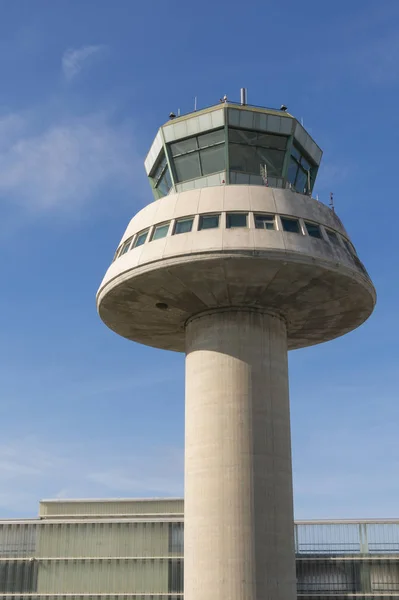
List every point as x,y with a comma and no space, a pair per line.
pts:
133,550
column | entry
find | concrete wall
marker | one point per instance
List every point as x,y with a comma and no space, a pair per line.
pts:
239,541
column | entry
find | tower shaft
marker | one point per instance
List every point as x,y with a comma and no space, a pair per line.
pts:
239,541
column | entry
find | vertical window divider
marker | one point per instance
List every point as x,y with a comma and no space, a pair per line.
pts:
195,223
226,148
169,161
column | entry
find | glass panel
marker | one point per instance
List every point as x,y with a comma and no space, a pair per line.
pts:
301,183
212,160
165,183
305,164
292,171
210,139
241,136
249,159
140,239
264,222
332,236
291,225
183,225
295,153
274,160
160,167
184,146
313,229
236,220
160,231
267,140
187,167
347,246
126,245
208,221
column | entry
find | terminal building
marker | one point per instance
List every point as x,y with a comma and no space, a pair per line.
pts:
133,550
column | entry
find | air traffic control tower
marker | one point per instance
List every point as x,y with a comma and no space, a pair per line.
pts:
234,263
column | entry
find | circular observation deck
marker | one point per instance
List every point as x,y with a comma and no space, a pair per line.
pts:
235,246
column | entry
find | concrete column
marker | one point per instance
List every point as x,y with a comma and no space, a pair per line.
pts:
238,514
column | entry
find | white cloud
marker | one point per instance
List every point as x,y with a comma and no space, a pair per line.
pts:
75,59
64,163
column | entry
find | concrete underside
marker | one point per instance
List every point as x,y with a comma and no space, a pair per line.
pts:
239,542
319,301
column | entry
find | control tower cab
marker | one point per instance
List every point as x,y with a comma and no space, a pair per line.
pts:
235,263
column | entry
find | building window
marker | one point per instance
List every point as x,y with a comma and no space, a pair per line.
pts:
199,156
183,225
348,246
176,538
126,246
208,222
265,222
236,220
161,176
252,151
291,225
160,231
332,236
141,238
313,230
301,172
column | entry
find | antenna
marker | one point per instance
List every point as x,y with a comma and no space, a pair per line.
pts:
243,94
302,121
195,104
178,112
332,201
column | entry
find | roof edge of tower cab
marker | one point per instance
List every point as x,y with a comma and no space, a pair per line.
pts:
228,104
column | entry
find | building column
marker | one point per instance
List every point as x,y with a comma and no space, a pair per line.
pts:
239,531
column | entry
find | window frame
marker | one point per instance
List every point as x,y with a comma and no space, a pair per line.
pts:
291,219
138,235
158,226
332,236
125,247
265,216
208,215
182,220
316,226
236,213
197,151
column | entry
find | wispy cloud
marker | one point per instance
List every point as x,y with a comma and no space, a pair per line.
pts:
64,163
31,469
76,59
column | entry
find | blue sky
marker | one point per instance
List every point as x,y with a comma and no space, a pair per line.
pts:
85,85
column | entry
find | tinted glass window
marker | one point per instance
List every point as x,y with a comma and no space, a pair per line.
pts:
264,222
183,225
126,246
187,166
332,236
209,221
236,220
165,182
140,239
291,225
210,139
313,230
249,159
199,156
184,146
212,160
160,231
251,150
